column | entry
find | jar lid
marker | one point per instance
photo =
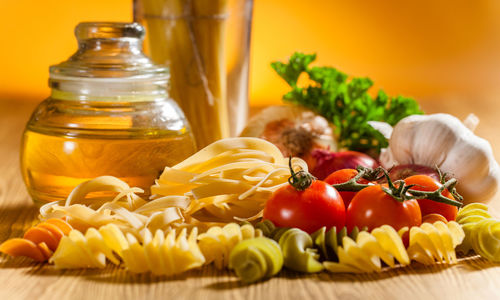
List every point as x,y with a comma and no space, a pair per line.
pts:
109,50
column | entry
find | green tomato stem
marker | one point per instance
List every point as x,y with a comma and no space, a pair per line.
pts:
398,189
300,180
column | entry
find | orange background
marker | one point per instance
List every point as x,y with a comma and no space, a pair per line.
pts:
426,49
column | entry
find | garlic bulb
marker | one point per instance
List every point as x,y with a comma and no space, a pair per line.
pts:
444,141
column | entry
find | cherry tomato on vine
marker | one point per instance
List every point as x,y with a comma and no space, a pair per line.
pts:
433,218
310,209
372,207
342,176
426,183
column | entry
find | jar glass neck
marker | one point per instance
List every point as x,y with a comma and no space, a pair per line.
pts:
111,90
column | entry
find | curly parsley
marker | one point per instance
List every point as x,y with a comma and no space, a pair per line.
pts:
344,102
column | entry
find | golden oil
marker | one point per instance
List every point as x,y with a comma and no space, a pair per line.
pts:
109,113
54,163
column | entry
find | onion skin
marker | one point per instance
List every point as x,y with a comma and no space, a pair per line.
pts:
323,162
400,172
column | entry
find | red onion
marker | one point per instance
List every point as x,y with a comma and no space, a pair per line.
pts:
404,171
323,162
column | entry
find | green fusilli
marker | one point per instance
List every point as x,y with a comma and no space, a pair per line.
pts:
256,259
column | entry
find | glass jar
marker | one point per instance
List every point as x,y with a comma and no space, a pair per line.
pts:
108,114
206,44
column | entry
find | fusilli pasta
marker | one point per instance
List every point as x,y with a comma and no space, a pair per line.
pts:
39,241
255,259
482,231
162,254
430,243
368,251
216,244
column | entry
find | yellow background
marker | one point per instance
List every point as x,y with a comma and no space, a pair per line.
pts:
425,48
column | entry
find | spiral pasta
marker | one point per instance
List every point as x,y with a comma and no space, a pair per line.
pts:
430,243
327,242
298,250
482,231
39,241
302,253
296,245
216,244
161,254
368,251
255,259
468,216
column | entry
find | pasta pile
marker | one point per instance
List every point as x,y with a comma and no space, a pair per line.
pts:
368,251
328,241
256,259
429,243
84,212
298,251
161,254
436,242
303,252
39,241
482,232
217,243
296,246
229,179
226,181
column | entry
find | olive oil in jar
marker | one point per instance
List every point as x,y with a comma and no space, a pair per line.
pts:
109,113
53,164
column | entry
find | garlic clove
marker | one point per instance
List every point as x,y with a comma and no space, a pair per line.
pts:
384,128
471,122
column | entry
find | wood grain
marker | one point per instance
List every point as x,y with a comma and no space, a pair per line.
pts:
471,278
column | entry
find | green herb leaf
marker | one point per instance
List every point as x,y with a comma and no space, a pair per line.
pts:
345,103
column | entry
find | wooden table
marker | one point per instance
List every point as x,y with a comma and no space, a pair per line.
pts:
471,278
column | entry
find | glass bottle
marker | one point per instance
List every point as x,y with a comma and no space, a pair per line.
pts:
108,114
206,43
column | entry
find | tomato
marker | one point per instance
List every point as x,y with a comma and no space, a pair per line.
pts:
318,205
426,183
372,207
433,218
342,176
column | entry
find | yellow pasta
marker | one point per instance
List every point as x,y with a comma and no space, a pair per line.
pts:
161,254
121,207
429,243
368,251
228,180
468,217
216,244
482,231
436,242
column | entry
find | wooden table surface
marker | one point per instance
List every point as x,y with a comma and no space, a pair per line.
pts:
471,278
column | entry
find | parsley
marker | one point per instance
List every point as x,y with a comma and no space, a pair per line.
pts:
344,102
